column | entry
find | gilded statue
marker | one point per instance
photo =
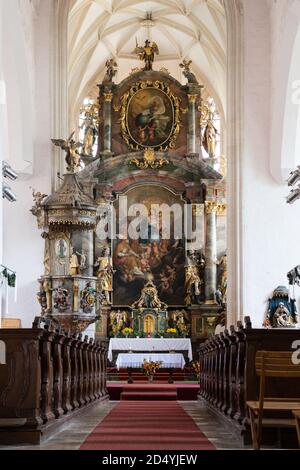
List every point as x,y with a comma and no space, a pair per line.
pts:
73,159
48,292
149,297
192,284
104,274
210,138
90,134
118,321
74,263
147,53
185,65
179,317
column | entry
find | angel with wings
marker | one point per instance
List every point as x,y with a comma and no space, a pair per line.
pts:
72,155
146,53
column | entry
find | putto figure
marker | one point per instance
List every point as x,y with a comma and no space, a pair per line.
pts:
147,53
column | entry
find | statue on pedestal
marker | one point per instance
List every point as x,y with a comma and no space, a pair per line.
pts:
210,138
74,264
146,53
104,273
185,65
111,70
73,159
90,134
282,312
192,284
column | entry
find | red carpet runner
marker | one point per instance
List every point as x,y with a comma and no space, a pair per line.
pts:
156,425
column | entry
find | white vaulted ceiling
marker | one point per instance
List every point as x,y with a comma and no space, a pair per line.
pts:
99,29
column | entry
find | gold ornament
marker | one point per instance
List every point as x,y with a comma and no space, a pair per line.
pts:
149,161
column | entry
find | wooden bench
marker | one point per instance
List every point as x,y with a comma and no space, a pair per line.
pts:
272,364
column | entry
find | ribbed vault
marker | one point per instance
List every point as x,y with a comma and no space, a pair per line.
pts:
98,29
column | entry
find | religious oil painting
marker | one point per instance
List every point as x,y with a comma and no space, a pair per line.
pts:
150,117
151,251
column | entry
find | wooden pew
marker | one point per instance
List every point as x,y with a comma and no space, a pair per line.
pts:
272,364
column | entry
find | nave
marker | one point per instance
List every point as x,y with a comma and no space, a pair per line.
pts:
77,432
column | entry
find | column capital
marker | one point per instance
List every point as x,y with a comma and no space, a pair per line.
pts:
211,207
192,98
108,96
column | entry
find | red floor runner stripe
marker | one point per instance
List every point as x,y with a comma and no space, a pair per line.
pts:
138,425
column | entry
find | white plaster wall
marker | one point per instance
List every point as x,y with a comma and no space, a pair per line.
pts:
23,246
270,226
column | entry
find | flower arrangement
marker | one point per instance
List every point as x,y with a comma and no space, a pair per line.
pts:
196,367
150,367
115,329
183,329
127,331
171,331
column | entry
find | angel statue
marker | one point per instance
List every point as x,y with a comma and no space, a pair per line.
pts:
185,65
111,70
70,147
146,53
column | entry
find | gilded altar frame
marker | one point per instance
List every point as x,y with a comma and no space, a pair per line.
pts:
126,99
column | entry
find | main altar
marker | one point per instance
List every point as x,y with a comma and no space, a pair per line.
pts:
108,258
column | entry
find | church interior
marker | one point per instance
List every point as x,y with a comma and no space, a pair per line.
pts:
150,153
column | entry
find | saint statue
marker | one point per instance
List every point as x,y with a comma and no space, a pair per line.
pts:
222,264
48,292
90,134
74,264
210,138
146,53
104,274
192,284
72,156
111,70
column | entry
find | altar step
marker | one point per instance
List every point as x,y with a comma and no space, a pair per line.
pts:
162,375
148,392
152,391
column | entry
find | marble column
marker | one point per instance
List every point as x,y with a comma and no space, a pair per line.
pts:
191,137
108,96
88,250
211,208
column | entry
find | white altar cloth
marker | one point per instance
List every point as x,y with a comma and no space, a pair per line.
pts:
135,360
150,344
